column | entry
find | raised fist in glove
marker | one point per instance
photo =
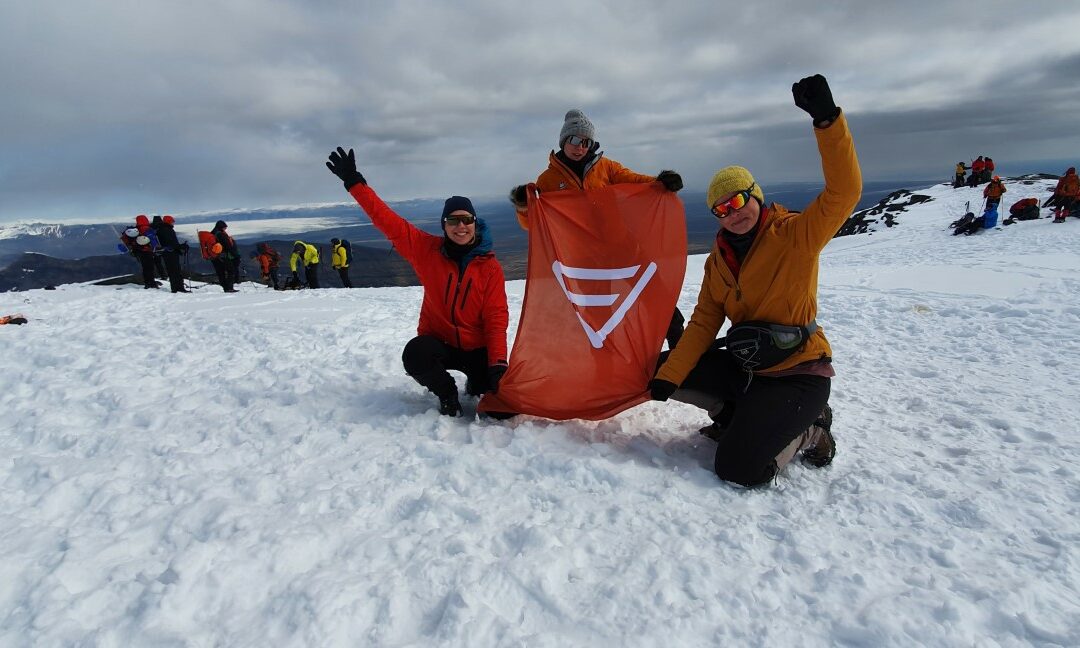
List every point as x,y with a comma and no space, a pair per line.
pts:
672,181
812,94
343,165
494,375
517,196
661,390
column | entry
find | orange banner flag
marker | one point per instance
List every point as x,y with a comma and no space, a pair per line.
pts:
604,274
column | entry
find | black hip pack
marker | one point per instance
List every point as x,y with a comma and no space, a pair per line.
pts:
757,345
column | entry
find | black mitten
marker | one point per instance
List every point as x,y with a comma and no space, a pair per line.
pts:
672,181
494,374
661,390
343,165
517,196
813,95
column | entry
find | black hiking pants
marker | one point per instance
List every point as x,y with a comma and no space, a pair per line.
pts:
224,270
427,359
172,267
763,415
311,274
146,262
344,274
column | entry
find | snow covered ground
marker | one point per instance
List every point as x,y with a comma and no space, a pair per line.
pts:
257,469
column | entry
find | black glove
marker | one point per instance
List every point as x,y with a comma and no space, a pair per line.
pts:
343,165
672,181
517,196
661,390
812,94
495,374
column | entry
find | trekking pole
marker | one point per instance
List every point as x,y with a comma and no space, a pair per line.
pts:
186,273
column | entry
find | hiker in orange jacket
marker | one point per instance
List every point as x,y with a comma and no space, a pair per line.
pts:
580,164
993,192
1066,194
269,259
768,390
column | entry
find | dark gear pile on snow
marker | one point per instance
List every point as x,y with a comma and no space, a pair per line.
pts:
968,224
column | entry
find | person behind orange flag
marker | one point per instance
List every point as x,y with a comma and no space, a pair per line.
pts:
768,391
464,316
605,268
580,164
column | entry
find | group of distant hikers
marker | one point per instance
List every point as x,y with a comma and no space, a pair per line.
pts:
1064,201
156,247
982,170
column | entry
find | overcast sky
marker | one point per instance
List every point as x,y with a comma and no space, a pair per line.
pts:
113,108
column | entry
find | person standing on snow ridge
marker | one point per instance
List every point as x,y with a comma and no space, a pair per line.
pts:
1066,194
227,263
464,316
988,169
977,168
140,241
959,180
171,251
768,391
307,256
159,263
268,259
579,164
339,258
993,193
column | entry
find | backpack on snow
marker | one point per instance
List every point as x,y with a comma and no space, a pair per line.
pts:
348,251
1026,209
208,245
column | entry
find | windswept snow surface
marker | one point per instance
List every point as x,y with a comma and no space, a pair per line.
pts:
257,469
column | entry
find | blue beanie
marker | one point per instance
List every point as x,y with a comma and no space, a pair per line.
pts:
456,203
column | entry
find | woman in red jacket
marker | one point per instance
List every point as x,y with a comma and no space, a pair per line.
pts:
464,316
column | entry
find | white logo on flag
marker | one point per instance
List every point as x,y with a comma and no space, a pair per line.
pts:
596,338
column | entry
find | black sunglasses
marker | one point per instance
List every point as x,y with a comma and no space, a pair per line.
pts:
454,220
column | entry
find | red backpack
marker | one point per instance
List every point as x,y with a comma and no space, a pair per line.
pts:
208,245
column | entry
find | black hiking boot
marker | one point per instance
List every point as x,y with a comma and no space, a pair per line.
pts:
473,389
712,431
450,406
719,426
822,452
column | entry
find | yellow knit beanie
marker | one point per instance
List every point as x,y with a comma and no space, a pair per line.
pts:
731,180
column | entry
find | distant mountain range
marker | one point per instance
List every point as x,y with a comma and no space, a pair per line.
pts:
39,254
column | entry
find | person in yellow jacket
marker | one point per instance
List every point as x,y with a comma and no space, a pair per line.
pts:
768,390
307,256
339,259
580,164
958,181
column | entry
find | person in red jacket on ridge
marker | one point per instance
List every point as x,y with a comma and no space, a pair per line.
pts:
977,169
464,316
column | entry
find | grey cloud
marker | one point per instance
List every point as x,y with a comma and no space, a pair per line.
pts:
118,107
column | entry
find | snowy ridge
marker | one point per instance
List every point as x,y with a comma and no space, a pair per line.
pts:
31,229
257,469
